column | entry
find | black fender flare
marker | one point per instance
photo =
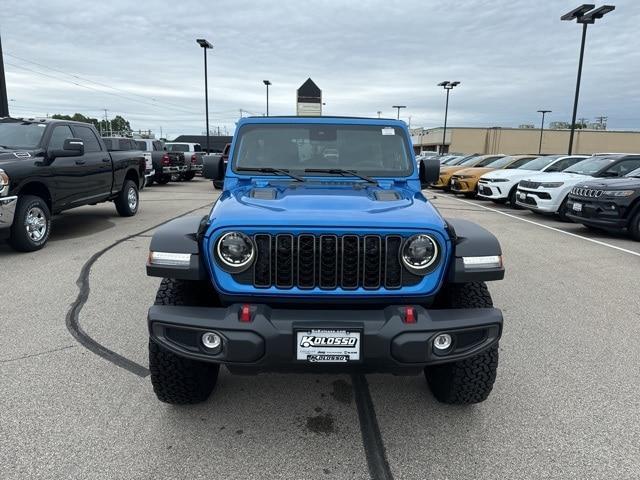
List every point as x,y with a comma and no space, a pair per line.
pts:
182,235
472,240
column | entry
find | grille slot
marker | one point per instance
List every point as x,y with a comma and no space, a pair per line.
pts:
328,262
372,262
284,261
350,261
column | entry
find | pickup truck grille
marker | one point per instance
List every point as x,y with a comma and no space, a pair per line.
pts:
329,262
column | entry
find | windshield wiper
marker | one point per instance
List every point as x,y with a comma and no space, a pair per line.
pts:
340,171
279,171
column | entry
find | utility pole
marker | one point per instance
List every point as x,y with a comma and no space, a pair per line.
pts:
602,121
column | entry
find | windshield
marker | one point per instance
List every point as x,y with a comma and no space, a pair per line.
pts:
590,165
19,134
485,162
501,162
539,163
634,173
177,147
366,149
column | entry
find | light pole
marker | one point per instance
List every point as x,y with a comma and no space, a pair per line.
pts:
267,83
205,45
398,107
448,86
379,113
4,104
543,112
585,15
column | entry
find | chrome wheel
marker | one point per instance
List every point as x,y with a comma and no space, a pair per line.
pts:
132,198
36,224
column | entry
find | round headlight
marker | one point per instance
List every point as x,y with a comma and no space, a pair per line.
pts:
235,251
419,252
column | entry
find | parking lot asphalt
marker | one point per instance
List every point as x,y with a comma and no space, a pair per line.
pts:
566,403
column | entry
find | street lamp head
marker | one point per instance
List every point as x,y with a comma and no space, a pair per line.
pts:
399,106
454,84
544,111
594,15
577,13
204,43
443,84
266,82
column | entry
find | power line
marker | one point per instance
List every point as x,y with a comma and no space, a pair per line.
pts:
93,88
96,82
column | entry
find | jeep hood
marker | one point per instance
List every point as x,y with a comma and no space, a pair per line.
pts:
606,183
325,204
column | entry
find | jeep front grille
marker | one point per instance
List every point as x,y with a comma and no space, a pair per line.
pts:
586,192
329,261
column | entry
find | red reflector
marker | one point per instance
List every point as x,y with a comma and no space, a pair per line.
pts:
245,313
193,157
409,315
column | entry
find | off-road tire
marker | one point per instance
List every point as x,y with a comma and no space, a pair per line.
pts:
634,226
177,380
123,201
470,380
19,238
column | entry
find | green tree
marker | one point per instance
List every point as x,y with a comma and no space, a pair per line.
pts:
117,124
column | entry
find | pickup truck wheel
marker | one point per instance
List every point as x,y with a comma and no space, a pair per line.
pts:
470,380
178,380
128,199
189,176
164,179
31,224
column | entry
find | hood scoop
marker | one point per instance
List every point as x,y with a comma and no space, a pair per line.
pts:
263,193
386,195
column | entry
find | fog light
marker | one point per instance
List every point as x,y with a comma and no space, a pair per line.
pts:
211,341
442,342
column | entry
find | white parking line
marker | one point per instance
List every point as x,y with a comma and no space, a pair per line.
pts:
597,242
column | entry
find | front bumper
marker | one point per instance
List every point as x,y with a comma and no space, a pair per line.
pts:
268,341
598,213
7,212
463,185
539,200
493,190
149,173
444,182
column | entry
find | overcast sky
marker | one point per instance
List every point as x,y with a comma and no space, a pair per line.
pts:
141,61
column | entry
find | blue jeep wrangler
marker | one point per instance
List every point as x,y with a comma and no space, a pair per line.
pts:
323,255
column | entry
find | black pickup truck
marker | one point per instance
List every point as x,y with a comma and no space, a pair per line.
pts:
167,165
47,166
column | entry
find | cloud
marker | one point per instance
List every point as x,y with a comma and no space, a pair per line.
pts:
512,57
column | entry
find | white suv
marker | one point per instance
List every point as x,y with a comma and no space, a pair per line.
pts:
500,185
547,192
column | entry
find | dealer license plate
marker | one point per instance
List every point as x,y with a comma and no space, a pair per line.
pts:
577,207
327,346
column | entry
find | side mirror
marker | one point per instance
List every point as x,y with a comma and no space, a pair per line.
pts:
213,167
429,171
72,147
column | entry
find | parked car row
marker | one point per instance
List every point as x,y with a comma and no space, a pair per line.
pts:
601,191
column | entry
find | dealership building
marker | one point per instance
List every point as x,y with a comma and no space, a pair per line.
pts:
523,140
